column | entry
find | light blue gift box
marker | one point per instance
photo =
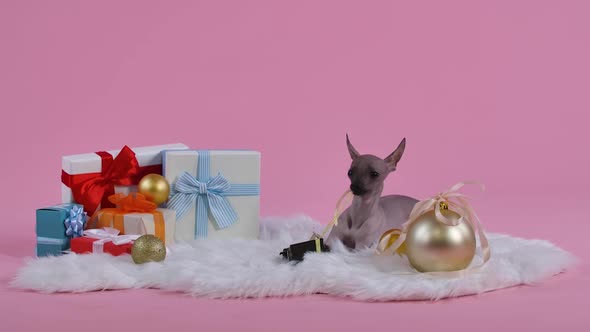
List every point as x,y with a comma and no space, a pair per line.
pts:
215,193
56,225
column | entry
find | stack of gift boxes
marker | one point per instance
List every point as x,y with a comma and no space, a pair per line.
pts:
213,194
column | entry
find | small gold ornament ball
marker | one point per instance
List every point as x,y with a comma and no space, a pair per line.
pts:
148,248
433,246
155,188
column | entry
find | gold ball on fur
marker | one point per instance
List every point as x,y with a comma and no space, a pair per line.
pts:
155,188
433,246
148,248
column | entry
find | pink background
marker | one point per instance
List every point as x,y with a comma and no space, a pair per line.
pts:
495,91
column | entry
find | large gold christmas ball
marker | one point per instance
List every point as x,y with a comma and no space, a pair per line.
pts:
432,246
155,188
148,248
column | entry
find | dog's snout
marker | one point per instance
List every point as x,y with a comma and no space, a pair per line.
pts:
356,189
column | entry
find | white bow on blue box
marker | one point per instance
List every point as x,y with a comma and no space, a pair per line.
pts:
215,193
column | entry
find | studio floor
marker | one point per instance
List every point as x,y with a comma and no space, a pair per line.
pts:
560,303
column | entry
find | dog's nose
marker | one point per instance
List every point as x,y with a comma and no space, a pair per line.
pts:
355,188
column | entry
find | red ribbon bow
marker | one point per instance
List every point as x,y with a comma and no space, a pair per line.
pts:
93,189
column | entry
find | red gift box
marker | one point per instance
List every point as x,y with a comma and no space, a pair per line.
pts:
104,240
83,245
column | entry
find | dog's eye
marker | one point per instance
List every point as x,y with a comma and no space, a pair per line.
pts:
374,174
350,172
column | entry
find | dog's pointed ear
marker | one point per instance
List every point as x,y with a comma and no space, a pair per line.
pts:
353,152
395,156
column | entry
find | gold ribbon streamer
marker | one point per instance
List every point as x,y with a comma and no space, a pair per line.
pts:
344,200
455,201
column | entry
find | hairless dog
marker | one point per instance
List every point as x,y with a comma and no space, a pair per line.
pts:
370,215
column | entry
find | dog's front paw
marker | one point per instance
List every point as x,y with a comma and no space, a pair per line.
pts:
349,242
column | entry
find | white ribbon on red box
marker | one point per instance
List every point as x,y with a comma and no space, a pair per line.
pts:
108,234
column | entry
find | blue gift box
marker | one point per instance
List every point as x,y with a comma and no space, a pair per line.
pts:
56,225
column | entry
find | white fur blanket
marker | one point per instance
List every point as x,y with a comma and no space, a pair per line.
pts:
253,268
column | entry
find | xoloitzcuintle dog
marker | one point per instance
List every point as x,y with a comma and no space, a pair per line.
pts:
370,215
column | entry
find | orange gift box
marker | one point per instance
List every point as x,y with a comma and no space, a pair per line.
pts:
135,214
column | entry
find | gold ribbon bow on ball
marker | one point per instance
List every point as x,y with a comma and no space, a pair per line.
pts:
392,241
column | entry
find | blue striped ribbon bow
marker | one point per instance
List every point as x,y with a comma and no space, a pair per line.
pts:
210,194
